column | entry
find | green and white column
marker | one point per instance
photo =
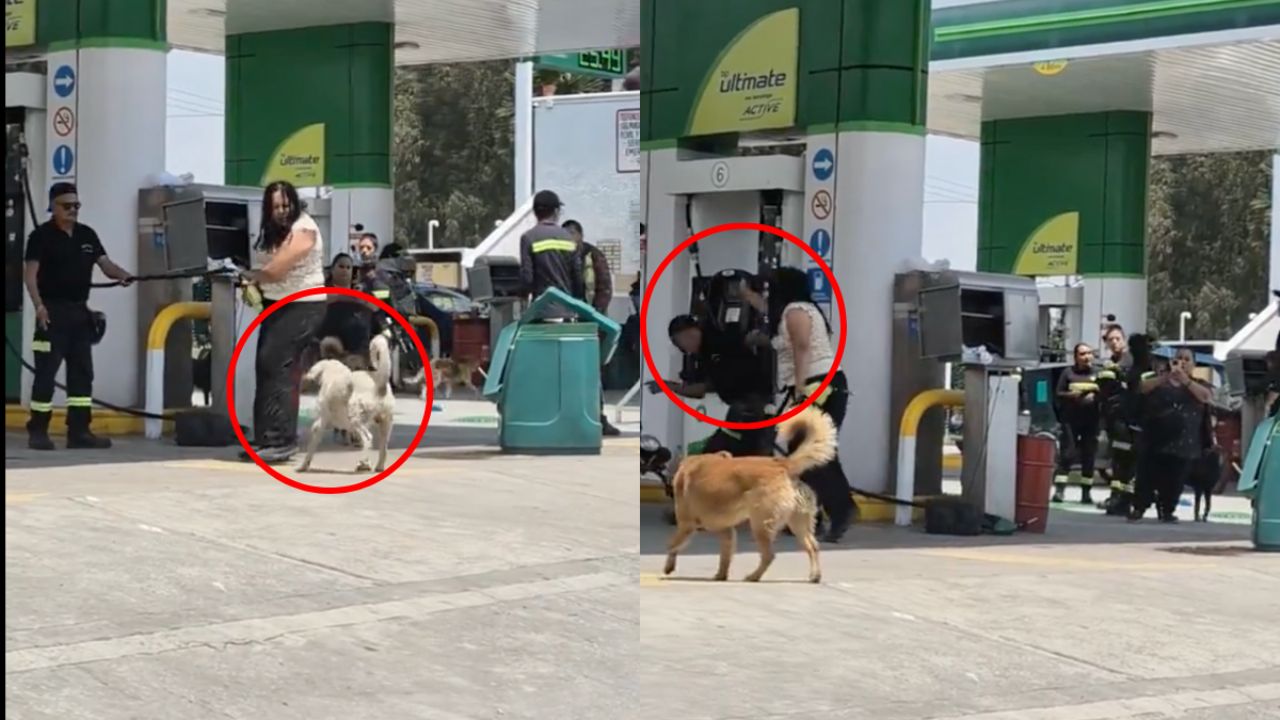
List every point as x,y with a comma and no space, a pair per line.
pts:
878,210
312,105
1067,195
107,84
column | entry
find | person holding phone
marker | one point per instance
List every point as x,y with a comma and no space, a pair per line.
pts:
1175,404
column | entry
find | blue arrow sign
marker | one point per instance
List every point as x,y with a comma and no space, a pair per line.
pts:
63,160
824,163
820,241
819,286
64,81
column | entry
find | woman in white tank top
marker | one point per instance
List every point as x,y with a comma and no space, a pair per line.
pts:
801,339
288,257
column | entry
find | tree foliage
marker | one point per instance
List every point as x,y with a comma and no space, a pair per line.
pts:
1207,244
453,151
454,147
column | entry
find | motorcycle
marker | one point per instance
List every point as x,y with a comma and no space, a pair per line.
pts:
654,459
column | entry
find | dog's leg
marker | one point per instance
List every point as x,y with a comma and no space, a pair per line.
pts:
728,544
313,442
382,436
677,543
798,523
763,535
366,448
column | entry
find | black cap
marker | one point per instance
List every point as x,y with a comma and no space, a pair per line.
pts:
547,199
62,188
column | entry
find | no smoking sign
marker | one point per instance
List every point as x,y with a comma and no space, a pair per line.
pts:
821,205
64,121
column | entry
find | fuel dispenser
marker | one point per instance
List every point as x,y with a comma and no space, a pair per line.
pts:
700,191
990,324
208,229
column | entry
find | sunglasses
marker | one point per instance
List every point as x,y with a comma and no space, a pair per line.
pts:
69,205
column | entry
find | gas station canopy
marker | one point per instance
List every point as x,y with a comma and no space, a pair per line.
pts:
427,31
1222,97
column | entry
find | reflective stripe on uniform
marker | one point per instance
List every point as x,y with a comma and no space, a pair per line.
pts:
1117,486
542,246
1120,445
1148,375
821,399
732,433
381,294
41,406
41,346
589,278
79,402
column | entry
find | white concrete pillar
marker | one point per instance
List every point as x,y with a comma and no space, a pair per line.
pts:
523,144
1124,297
115,100
879,217
372,207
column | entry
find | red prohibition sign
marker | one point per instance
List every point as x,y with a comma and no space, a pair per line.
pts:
644,319
63,121
231,390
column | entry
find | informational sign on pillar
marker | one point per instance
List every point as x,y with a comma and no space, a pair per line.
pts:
819,220
63,114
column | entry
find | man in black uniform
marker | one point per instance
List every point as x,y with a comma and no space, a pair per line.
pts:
549,257
741,378
60,256
1078,402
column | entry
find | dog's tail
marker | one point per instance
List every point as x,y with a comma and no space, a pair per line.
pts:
811,438
380,358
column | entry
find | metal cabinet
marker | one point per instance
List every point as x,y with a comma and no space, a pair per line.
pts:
964,310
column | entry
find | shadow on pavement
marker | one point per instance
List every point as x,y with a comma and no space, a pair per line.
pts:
1065,528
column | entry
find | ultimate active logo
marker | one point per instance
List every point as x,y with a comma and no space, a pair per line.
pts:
763,91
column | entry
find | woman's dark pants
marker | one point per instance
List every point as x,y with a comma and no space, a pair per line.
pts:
282,337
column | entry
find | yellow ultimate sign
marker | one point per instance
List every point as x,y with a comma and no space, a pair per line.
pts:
1052,249
299,159
752,84
19,23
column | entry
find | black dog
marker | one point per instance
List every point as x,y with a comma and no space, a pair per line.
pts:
1204,480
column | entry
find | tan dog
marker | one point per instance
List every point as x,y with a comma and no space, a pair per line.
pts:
718,492
453,373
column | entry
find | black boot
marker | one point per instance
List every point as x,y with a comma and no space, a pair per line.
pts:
1086,495
79,436
607,429
1058,490
38,432
86,440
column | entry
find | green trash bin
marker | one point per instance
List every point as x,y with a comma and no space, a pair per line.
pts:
545,378
1260,481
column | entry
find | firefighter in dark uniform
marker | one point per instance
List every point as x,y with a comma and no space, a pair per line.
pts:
741,378
1079,417
60,256
597,291
549,257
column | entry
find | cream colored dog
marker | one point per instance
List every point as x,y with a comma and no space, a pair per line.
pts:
359,402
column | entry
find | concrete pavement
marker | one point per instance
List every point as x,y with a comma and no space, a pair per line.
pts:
1096,620
151,582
